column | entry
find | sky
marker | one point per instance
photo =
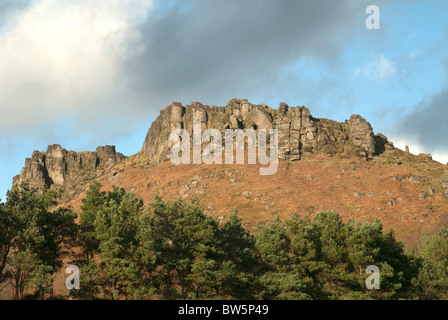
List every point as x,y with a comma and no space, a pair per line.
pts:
85,73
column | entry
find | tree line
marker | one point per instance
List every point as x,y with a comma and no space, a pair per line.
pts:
172,250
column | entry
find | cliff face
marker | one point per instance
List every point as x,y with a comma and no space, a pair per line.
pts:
69,170
299,132
299,135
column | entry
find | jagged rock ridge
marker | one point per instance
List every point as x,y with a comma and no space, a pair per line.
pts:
300,135
299,132
69,170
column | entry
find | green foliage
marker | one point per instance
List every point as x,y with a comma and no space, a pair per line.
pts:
91,204
197,258
241,258
32,240
172,250
433,276
111,224
6,236
326,259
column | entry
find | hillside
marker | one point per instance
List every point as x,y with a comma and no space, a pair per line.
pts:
408,198
324,165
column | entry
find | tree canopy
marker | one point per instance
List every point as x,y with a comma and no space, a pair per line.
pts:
173,250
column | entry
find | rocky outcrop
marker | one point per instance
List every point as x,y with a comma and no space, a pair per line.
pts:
444,182
69,170
299,132
361,135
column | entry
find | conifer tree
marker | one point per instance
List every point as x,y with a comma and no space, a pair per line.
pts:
433,276
37,235
111,220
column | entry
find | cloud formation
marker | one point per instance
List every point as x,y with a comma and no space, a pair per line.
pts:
107,64
58,59
9,9
122,61
88,72
379,68
213,50
427,127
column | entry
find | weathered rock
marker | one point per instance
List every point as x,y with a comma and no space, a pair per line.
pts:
54,163
193,184
183,191
444,182
361,135
70,170
152,185
298,132
197,178
426,156
415,179
114,178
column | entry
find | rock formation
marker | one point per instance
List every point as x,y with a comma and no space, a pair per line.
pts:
444,182
66,169
299,132
300,135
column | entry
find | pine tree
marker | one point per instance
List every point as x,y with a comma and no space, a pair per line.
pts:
283,276
91,205
240,259
37,237
185,242
433,276
6,236
111,221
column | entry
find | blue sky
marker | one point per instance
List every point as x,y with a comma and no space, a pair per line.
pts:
88,73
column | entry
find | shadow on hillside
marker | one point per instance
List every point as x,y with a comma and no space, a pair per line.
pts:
380,144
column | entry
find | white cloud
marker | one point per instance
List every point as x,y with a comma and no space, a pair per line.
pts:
415,148
379,68
57,57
